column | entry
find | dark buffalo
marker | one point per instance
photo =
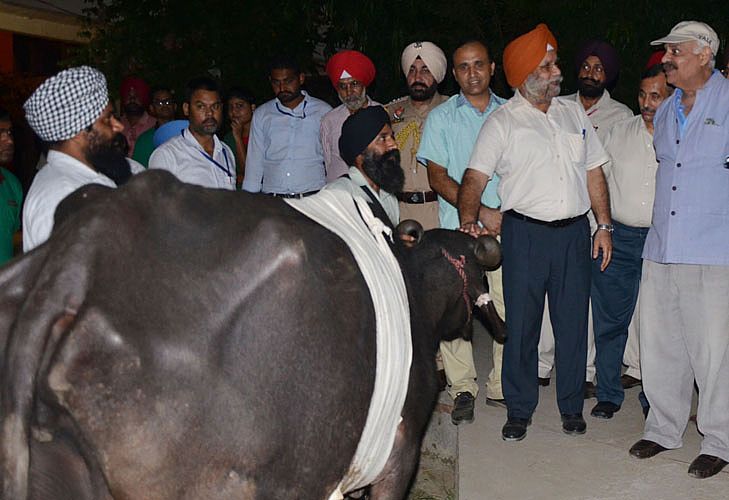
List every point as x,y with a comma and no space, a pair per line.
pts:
173,342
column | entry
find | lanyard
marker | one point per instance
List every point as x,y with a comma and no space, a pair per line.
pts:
225,168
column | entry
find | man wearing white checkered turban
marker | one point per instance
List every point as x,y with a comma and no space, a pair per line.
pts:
72,115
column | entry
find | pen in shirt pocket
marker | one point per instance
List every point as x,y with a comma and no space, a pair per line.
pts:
583,134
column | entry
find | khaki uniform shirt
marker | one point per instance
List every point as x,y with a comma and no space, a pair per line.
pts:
407,124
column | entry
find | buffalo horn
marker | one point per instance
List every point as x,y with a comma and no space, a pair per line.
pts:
488,252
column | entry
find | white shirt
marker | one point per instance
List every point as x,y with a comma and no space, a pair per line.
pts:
61,176
542,158
631,173
353,186
184,156
604,113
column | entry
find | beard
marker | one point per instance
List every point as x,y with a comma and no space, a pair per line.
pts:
539,90
420,92
207,127
384,170
287,97
590,88
133,109
107,157
354,102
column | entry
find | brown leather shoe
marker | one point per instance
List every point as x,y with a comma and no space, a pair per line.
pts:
705,466
646,449
629,382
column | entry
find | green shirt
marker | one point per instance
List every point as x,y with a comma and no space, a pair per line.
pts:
144,146
11,201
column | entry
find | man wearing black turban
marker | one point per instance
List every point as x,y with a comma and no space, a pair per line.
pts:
368,146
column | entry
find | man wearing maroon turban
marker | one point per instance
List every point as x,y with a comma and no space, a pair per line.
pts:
135,99
597,65
350,72
549,160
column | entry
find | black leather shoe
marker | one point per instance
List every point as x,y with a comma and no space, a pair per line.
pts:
573,424
462,408
590,390
646,449
705,466
604,409
629,382
515,429
544,381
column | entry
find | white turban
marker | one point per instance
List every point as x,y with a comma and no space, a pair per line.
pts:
430,53
67,103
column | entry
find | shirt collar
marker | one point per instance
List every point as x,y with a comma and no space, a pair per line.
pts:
192,141
461,100
298,110
56,157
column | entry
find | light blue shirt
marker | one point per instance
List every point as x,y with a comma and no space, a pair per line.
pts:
691,209
284,150
448,138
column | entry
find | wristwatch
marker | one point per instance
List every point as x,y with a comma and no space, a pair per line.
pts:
606,227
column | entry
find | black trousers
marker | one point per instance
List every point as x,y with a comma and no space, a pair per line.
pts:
555,261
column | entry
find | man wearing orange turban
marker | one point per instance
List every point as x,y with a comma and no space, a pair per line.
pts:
549,160
350,72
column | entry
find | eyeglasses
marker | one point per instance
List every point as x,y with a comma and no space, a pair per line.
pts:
164,102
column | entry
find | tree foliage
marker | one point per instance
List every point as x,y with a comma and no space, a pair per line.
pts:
170,41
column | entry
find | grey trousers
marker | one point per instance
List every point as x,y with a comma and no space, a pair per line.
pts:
684,336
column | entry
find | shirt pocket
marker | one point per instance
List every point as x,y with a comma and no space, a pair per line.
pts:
573,147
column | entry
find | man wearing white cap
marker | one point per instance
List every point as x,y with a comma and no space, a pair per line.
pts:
71,114
683,297
424,65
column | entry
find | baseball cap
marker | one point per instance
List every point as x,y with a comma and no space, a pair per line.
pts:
687,31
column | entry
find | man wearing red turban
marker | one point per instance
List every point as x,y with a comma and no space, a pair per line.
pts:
549,160
135,99
350,72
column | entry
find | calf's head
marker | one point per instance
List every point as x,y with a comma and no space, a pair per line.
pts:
446,271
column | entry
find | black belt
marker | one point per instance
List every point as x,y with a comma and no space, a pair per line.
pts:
551,223
292,195
418,197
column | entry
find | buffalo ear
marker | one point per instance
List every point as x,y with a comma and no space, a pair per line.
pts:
488,252
410,228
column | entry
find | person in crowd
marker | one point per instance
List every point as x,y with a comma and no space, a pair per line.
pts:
240,105
285,157
685,283
445,147
550,160
424,65
70,112
135,99
631,356
597,64
163,109
350,72
11,192
196,155
630,175
368,144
